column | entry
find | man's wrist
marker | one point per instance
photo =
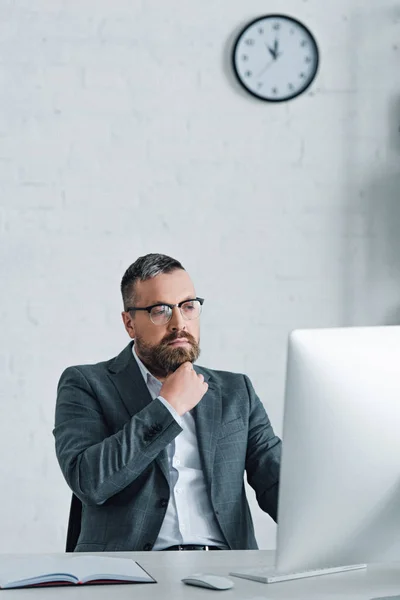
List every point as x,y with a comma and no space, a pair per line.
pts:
171,409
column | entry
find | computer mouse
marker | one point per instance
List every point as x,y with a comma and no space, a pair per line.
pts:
206,580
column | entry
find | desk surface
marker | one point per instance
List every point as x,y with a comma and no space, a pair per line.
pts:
168,568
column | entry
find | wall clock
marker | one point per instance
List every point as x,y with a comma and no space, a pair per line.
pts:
275,58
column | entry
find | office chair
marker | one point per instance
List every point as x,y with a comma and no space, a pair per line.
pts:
74,524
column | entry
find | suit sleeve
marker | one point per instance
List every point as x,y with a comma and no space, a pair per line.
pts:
95,464
263,455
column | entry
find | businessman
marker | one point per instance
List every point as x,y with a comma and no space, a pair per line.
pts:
156,447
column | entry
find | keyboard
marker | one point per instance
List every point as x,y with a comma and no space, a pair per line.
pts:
270,575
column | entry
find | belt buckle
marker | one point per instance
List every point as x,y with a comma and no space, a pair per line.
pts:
207,548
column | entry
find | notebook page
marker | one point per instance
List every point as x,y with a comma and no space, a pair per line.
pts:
88,568
30,569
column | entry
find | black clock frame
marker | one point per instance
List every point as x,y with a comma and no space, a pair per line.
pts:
292,20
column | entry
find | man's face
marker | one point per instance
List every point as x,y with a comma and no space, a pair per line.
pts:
156,345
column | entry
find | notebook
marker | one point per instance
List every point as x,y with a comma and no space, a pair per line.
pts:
44,570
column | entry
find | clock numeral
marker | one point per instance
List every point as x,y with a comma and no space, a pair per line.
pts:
302,75
260,84
291,87
275,91
276,26
307,59
261,30
250,42
292,31
303,43
245,57
248,74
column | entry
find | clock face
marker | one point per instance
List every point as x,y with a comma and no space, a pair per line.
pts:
275,58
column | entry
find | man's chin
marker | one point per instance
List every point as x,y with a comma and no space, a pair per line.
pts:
177,357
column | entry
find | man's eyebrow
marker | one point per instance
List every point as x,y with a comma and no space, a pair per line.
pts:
190,297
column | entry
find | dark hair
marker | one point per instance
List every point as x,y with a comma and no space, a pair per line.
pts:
144,268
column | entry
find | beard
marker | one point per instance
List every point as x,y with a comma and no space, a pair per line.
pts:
161,360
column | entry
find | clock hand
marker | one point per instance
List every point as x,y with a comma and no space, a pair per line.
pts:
275,57
271,51
267,66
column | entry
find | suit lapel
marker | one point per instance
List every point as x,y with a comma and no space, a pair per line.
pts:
127,378
207,416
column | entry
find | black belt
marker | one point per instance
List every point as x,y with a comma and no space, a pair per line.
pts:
192,547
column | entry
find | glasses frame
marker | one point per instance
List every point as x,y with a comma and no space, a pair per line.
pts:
171,306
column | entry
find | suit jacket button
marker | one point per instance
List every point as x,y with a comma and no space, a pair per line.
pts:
163,502
147,547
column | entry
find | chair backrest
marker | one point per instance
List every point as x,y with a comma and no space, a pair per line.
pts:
74,524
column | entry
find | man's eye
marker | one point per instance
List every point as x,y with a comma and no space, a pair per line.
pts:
159,310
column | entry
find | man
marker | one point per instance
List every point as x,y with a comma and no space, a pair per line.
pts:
156,448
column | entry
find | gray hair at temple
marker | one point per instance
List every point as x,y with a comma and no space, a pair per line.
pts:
144,268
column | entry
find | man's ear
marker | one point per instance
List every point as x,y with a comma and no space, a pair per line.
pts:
129,323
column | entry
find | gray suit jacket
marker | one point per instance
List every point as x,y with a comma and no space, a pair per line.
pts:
111,440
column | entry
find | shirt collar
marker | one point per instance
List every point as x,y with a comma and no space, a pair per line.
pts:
147,376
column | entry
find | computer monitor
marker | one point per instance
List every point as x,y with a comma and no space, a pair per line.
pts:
339,500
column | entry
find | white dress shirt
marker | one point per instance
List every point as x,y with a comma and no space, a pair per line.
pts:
189,518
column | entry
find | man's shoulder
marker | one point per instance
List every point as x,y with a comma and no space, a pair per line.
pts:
84,374
91,367
99,368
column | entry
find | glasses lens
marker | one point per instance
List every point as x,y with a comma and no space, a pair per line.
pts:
191,310
160,314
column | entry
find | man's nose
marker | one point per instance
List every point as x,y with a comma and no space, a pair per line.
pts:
176,321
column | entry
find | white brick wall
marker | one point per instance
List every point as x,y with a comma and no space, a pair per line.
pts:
122,131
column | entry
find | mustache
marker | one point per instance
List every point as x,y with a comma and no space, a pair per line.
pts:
174,336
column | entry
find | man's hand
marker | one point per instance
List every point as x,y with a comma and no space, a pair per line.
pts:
184,388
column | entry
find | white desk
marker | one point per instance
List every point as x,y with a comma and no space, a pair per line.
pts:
169,567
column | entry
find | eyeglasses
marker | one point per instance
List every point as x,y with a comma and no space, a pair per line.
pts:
160,314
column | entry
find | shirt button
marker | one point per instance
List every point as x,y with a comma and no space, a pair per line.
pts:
177,462
163,502
183,527
179,491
